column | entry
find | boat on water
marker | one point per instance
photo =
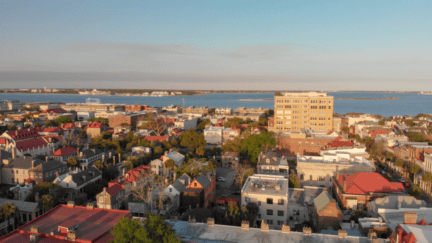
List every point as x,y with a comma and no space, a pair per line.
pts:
425,93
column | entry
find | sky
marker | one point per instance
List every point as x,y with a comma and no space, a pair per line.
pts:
222,45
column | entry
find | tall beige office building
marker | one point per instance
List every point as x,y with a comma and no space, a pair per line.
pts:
297,111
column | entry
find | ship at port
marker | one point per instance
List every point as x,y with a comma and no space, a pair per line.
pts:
425,93
95,92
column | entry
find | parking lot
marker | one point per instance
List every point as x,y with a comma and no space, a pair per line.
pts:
225,187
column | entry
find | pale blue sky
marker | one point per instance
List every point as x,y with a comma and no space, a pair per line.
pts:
328,45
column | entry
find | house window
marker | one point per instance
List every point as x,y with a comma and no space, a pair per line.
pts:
269,201
259,203
302,177
280,202
170,190
195,184
269,212
280,222
270,222
280,213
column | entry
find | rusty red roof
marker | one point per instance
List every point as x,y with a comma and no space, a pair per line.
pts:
55,110
218,125
93,225
363,182
69,126
96,124
31,144
23,134
2,141
156,138
130,176
337,144
64,151
422,222
376,132
115,189
53,129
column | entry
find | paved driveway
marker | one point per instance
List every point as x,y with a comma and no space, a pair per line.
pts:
223,187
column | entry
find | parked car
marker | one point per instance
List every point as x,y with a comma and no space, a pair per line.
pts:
401,179
383,172
220,179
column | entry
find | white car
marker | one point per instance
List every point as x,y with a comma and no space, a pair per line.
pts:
221,179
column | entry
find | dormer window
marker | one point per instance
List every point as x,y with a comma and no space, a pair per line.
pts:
268,161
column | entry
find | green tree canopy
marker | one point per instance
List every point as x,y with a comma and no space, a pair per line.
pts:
234,122
415,191
47,202
416,137
255,143
400,163
72,162
202,124
294,181
415,169
192,139
174,142
158,150
154,230
63,120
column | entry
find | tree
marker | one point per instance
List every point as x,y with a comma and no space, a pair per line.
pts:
72,162
192,139
359,213
415,191
427,178
174,142
416,137
377,150
255,143
158,150
390,156
345,129
294,180
8,210
157,126
250,212
415,169
234,122
200,151
242,172
409,123
170,164
234,145
99,164
63,120
37,124
129,165
47,202
202,124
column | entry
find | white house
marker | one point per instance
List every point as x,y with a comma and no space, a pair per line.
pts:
78,179
213,135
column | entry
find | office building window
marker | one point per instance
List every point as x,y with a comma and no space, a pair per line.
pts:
269,201
270,222
280,222
269,212
280,213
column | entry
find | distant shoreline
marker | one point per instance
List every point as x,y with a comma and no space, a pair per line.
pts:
347,98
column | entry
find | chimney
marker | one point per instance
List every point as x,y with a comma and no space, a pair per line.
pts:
245,224
46,159
307,231
410,217
78,152
119,157
37,197
71,236
57,174
123,171
88,146
76,169
83,167
114,160
13,153
54,149
90,206
110,155
166,153
71,204
70,169
286,228
264,226
34,229
372,234
210,221
33,163
342,234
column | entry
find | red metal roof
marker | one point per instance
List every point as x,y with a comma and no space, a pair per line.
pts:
337,143
409,238
376,132
330,132
130,176
218,125
96,124
64,151
2,141
23,134
115,189
94,225
156,138
53,129
364,182
55,110
69,126
31,144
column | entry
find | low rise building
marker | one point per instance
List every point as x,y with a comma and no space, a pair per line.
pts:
269,162
62,154
47,171
301,143
95,129
327,213
88,156
270,193
300,204
355,191
21,192
85,115
230,159
320,170
255,116
66,223
26,211
223,111
15,170
129,119
394,202
26,141
200,192
94,107
77,180
213,135
176,189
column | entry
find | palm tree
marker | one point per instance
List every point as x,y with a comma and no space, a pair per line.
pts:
8,210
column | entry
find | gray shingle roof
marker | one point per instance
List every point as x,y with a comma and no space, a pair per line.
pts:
23,162
48,166
22,206
89,174
203,180
322,200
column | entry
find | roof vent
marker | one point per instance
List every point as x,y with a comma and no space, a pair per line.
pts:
34,238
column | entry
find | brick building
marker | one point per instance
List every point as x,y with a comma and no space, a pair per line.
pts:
201,191
355,191
136,107
130,119
411,152
69,223
47,171
95,129
326,212
302,144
